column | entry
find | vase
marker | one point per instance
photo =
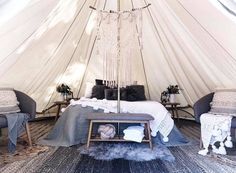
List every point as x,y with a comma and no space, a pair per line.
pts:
172,98
65,97
61,97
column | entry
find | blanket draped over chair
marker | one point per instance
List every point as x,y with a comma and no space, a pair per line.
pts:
215,128
16,125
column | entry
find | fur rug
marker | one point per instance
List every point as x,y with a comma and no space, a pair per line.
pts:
128,151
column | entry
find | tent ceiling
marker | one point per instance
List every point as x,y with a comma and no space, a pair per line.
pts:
47,42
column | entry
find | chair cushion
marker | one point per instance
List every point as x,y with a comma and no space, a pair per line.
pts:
224,102
8,101
3,121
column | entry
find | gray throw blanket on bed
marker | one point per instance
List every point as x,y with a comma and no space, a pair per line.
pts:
72,128
16,125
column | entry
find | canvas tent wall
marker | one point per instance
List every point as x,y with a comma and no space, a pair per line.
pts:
48,42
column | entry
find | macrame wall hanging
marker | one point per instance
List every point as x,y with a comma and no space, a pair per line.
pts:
119,34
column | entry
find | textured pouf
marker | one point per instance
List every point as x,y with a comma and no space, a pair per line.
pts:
107,131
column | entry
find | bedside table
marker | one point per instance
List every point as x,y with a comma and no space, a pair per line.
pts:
59,104
173,107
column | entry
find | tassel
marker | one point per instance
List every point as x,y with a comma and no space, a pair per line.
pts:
222,149
95,107
214,149
83,105
153,134
165,139
63,109
228,142
203,152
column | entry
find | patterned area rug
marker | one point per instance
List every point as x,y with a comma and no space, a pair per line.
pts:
23,151
27,152
71,160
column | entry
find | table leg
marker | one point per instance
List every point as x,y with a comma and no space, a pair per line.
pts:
149,134
118,130
58,111
28,134
172,111
177,115
90,132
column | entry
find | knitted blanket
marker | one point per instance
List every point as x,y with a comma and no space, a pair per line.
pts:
215,128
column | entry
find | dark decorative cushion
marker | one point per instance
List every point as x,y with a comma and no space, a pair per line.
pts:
99,81
111,94
98,91
135,93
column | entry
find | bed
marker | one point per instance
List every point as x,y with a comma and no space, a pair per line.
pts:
72,127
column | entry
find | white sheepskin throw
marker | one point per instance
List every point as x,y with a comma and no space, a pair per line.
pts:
107,131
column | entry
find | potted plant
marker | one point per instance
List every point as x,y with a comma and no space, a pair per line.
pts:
64,90
172,90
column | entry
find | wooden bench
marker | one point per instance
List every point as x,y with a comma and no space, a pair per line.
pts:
119,119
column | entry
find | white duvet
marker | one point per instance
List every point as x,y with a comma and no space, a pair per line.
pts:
162,119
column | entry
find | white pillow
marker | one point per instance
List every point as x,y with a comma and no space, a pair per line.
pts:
88,90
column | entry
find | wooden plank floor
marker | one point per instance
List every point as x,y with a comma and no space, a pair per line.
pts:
88,164
41,128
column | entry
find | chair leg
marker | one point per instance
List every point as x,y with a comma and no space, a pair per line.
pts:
28,133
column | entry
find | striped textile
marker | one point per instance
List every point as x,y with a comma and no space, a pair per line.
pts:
224,102
8,101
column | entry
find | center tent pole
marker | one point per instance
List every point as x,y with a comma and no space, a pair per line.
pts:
118,58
